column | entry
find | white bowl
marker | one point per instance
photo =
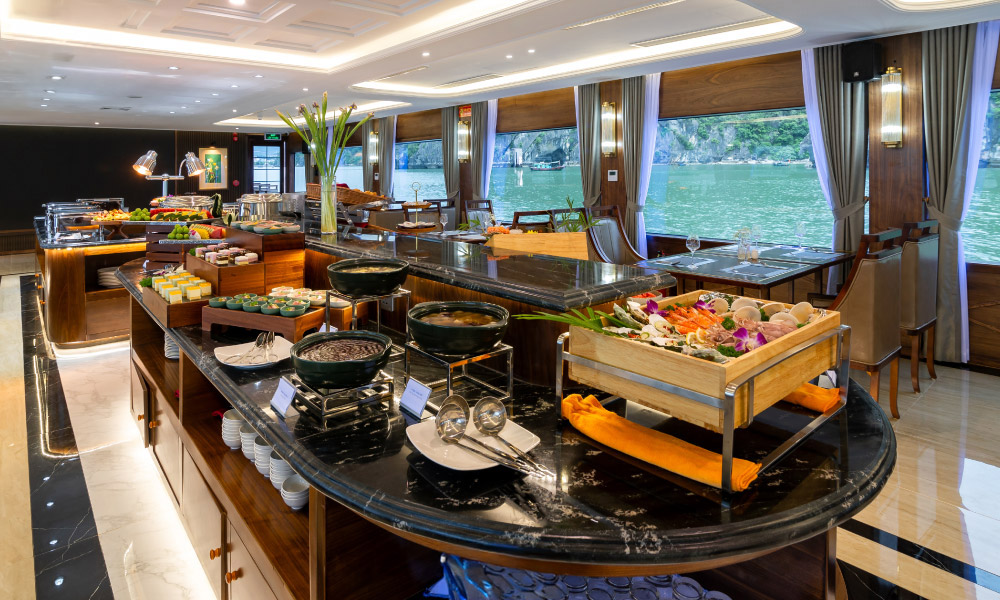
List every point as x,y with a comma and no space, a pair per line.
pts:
294,485
297,504
232,415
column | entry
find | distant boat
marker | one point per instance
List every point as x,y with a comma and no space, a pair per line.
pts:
548,166
781,163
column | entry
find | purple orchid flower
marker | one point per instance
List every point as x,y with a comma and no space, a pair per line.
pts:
652,308
745,342
705,305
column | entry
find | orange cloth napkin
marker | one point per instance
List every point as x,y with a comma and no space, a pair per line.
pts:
814,397
654,447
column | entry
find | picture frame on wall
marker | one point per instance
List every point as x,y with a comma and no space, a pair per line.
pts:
216,173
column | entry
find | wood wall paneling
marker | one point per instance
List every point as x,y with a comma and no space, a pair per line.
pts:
613,192
765,82
896,175
542,110
419,126
984,314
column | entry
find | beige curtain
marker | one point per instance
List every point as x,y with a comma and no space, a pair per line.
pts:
588,129
958,67
640,120
449,152
838,127
386,154
367,168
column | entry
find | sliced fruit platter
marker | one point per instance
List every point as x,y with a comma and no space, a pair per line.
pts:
166,215
112,215
198,231
267,227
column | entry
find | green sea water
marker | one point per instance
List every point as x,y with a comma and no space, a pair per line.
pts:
709,200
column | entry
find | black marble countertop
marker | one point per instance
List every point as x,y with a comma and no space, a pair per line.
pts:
602,508
546,281
91,239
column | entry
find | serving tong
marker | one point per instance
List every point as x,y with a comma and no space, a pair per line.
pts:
264,344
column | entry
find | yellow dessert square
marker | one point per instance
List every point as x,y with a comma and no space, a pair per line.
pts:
194,293
175,297
166,289
206,288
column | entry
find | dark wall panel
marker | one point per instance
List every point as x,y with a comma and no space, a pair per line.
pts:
92,163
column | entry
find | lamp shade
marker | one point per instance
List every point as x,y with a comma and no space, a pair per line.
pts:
193,164
145,164
609,133
373,147
464,135
892,108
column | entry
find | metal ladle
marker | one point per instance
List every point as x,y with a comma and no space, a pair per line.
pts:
490,417
460,401
451,422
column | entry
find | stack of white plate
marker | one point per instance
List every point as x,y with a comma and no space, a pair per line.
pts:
247,436
231,423
295,492
106,278
280,471
170,349
262,456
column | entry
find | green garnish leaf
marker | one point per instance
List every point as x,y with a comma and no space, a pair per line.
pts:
764,317
728,351
728,324
146,282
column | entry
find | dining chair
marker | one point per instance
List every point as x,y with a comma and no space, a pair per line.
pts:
607,237
479,210
918,293
869,304
522,220
448,209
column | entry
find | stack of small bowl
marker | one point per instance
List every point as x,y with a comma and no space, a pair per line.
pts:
231,423
279,470
247,436
295,491
262,456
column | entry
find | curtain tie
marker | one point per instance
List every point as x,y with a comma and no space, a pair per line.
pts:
842,212
944,220
634,207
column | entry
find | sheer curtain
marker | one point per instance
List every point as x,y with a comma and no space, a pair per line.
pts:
367,168
837,117
588,129
484,133
449,152
958,67
640,119
386,153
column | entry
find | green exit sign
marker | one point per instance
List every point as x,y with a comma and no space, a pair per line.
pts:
272,136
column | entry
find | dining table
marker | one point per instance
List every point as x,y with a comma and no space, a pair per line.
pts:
777,264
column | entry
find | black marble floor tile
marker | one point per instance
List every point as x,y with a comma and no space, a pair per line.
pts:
68,558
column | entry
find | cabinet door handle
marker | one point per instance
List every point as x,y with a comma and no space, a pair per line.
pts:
214,553
141,417
154,424
232,576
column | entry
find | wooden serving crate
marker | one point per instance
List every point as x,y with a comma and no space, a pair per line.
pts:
702,376
566,245
292,328
183,313
283,255
228,280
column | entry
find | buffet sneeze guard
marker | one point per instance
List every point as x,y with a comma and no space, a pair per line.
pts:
727,403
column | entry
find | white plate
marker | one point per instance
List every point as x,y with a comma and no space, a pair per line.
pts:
424,437
472,238
279,352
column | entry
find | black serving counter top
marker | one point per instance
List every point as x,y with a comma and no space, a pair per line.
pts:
601,509
546,281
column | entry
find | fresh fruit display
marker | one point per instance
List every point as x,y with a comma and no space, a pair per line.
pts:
718,327
179,214
206,232
112,215
180,232
139,214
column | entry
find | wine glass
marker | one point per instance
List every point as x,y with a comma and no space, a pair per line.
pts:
756,233
800,232
444,222
693,243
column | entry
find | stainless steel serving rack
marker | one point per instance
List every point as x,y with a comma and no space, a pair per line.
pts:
397,352
450,363
323,403
727,403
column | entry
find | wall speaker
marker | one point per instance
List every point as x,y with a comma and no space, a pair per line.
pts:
862,61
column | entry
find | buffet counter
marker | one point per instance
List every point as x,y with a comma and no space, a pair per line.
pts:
79,310
380,512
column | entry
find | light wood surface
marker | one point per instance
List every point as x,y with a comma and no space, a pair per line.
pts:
183,313
566,245
229,280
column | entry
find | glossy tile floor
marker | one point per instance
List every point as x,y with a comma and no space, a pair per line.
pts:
111,530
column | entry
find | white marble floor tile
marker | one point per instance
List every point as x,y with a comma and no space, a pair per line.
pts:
145,546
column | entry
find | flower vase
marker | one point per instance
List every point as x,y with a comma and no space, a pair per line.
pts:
328,205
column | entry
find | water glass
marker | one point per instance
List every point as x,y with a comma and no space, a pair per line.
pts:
685,588
800,232
693,243
756,233
444,222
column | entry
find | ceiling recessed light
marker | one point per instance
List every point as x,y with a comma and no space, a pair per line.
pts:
234,110
183,107
197,101
215,94
173,68
97,122
426,54
257,76
237,128
50,91
234,86
305,89
509,56
43,105
171,112
531,50
46,99
237,2
55,77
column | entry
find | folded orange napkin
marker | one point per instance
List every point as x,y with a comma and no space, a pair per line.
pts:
814,397
654,447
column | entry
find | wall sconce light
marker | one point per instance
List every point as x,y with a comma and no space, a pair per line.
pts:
609,133
373,148
464,134
892,108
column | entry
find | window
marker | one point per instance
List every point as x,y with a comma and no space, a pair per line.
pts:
982,222
300,172
418,163
715,174
535,170
351,170
267,168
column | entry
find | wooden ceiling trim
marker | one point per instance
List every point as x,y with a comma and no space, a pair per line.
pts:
419,126
542,110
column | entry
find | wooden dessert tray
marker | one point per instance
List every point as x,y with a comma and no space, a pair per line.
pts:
718,397
292,328
187,312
